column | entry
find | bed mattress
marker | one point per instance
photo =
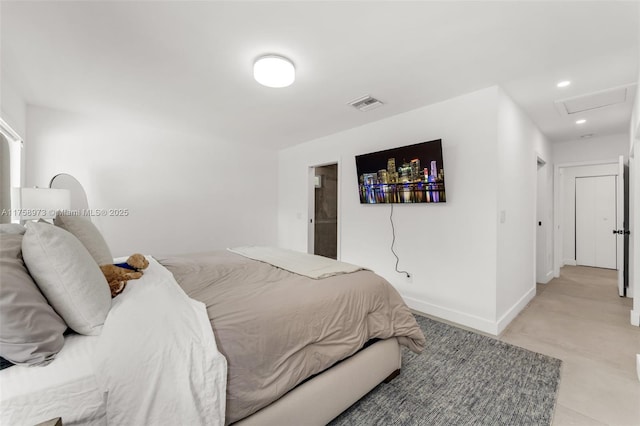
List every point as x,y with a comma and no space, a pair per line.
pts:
277,328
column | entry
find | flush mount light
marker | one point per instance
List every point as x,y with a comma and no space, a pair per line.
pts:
274,71
564,83
581,121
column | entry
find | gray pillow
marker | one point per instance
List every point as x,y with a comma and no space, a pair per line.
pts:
30,330
12,228
89,236
68,276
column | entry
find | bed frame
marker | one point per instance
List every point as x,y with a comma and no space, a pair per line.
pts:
321,399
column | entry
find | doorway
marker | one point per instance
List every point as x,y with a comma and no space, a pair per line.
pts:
595,221
566,184
324,212
544,268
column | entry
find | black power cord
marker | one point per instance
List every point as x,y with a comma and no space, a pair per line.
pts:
393,231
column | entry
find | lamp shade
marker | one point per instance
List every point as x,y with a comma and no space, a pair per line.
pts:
274,71
36,203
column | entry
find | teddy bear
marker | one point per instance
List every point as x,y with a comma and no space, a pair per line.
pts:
117,275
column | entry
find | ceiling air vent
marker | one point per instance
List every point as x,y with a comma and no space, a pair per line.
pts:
365,103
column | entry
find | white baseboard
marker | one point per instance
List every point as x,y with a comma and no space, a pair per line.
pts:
513,312
547,277
570,262
635,318
468,320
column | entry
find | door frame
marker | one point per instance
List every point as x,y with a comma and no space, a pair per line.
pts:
311,206
559,198
16,161
542,274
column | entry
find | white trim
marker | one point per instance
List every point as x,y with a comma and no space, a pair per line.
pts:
635,318
472,321
557,220
11,134
587,163
339,213
16,161
462,318
509,316
540,163
570,262
547,277
311,210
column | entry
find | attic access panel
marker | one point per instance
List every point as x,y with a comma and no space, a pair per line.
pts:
591,101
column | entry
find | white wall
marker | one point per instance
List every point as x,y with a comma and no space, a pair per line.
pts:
13,107
185,193
519,144
592,149
451,248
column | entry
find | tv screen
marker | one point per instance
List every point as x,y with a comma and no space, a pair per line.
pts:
409,174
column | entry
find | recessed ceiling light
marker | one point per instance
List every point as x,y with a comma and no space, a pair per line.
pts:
564,83
581,121
274,71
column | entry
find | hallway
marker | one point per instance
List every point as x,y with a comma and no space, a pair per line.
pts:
580,319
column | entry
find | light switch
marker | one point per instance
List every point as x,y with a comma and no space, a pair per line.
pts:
503,216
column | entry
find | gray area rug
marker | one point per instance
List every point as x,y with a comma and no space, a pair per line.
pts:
462,378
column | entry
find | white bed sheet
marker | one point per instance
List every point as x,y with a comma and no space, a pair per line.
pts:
157,357
64,388
155,362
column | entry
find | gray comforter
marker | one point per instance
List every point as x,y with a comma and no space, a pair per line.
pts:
276,328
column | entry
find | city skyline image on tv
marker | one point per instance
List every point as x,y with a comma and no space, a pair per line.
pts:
408,174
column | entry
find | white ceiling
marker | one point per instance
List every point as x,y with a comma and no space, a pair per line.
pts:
189,64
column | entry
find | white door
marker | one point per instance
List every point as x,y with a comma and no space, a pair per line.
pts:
595,220
621,227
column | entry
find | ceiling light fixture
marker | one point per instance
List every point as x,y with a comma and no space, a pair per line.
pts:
581,121
274,71
564,83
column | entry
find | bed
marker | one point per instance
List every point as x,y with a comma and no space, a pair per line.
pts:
219,338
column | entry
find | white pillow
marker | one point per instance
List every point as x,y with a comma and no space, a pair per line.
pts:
89,235
68,276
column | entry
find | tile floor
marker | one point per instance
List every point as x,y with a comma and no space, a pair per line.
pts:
580,319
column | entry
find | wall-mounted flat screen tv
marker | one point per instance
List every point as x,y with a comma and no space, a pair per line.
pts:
409,174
